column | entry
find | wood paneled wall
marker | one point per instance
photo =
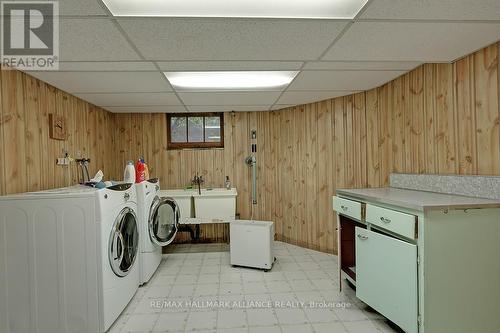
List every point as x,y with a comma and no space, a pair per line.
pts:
439,118
28,155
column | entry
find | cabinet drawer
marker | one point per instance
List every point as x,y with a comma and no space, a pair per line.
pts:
397,222
349,208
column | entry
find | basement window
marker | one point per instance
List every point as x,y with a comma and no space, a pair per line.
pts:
195,130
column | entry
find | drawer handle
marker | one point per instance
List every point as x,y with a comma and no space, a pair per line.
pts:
362,237
344,208
385,220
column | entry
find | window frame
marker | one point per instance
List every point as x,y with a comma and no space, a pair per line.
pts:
194,145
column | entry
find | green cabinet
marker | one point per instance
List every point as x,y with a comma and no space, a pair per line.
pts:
386,277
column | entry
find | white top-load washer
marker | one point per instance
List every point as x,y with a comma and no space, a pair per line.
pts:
158,223
68,258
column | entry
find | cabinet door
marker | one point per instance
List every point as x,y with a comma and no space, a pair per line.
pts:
386,277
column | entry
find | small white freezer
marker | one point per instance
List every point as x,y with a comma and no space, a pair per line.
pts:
251,243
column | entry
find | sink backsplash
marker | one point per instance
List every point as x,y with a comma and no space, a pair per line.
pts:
472,186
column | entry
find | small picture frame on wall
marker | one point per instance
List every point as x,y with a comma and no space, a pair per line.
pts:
58,129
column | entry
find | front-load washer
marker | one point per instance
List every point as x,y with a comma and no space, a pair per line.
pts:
158,221
69,259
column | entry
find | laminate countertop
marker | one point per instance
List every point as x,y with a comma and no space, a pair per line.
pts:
417,200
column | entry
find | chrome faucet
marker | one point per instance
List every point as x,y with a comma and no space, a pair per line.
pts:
197,180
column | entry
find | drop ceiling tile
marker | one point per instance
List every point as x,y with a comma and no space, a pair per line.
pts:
342,80
109,66
361,65
229,65
93,39
106,82
133,99
146,109
229,98
77,7
433,9
303,97
249,39
226,108
412,41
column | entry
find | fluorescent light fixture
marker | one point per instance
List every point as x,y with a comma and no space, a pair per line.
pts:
230,80
312,9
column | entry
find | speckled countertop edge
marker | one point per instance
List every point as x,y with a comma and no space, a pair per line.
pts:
418,200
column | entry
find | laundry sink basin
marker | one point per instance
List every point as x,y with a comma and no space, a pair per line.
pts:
215,205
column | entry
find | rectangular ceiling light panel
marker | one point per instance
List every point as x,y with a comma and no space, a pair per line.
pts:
312,9
231,80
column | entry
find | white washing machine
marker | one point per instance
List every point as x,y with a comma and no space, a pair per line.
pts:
158,223
69,259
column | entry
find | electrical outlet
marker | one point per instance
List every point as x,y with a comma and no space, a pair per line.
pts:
62,161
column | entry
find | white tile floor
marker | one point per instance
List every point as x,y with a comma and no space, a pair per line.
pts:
196,289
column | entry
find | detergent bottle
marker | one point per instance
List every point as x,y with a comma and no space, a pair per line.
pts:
146,170
139,172
129,173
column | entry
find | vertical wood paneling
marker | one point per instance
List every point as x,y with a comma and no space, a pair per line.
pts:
445,119
416,144
309,182
287,173
33,133
360,141
28,154
277,151
339,142
372,136
264,170
465,104
398,122
64,107
241,133
437,118
385,133
350,137
430,119
326,182
13,119
487,113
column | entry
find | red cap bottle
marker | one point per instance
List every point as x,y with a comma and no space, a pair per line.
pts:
139,172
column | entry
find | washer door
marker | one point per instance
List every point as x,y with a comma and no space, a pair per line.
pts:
163,221
123,242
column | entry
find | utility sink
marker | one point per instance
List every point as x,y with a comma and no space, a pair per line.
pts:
213,205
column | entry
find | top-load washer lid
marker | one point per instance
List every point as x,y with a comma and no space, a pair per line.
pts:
123,242
163,220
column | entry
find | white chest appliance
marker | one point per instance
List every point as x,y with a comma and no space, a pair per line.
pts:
251,243
158,223
69,259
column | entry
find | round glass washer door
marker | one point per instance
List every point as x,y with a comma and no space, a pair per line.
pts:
163,221
124,242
